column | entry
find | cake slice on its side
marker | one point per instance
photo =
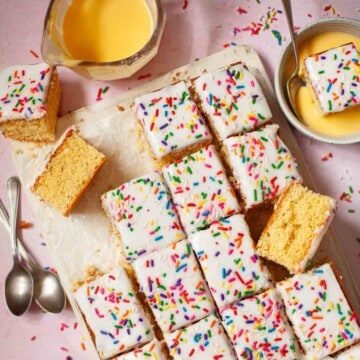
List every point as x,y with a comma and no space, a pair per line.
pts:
204,340
113,314
232,100
319,312
261,164
334,78
67,171
227,257
150,351
143,214
171,122
259,329
296,227
200,189
174,287
29,102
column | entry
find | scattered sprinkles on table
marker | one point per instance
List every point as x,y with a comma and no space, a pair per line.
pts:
258,328
227,256
24,90
335,77
205,340
233,100
150,351
200,189
171,120
174,286
319,312
261,163
113,313
143,214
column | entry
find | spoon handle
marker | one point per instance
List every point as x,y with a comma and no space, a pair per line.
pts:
4,219
13,187
289,18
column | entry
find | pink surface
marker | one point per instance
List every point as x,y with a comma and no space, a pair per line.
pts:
194,29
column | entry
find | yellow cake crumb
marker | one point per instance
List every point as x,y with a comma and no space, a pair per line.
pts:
296,227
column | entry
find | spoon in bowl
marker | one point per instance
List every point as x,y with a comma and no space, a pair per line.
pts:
295,81
49,295
19,282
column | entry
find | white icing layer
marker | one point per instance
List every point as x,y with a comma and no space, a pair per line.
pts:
233,100
150,351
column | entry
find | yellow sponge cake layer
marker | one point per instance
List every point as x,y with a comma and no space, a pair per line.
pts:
295,229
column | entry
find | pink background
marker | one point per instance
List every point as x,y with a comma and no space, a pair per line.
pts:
194,29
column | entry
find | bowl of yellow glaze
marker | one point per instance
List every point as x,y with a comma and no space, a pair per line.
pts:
337,128
102,40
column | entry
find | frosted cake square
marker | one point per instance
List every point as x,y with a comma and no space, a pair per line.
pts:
113,314
334,78
143,213
150,351
67,171
174,287
200,189
319,312
171,121
258,328
227,256
204,340
296,227
353,353
29,102
261,164
232,100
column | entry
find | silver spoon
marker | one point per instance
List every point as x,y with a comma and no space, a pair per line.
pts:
295,81
19,282
49,295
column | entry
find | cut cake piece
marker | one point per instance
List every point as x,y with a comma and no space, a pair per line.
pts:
204,340
200,189
144,215
29,102
174,287
261,163
353,353
334,77
319,312
295,229
171,122
227,257
232,100
67,171
113,313
258,328
150,351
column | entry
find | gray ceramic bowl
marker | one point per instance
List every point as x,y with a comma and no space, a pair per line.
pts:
350,26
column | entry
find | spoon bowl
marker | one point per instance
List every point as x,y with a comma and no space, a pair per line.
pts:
19,282
295,81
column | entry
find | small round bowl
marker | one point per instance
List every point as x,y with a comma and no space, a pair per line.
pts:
54,52
346,25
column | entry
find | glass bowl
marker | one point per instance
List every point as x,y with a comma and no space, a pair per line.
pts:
54,52
282,74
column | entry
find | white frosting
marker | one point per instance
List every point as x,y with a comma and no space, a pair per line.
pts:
227,256
204,340
23,91
170,119
258,328
334,75
174,286
351,354
143,214
150,351
233,100
319,312
261,164
200,189
113,313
